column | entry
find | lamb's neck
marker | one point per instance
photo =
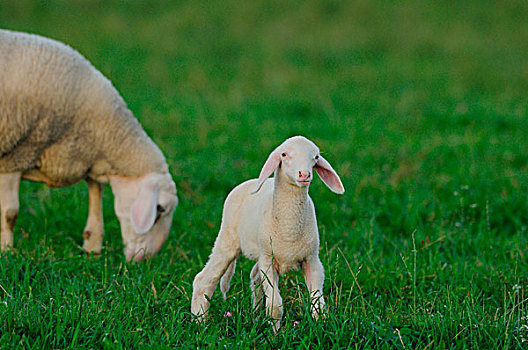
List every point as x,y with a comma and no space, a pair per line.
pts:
290,208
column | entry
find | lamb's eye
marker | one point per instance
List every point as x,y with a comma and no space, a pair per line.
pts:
316,157
283,154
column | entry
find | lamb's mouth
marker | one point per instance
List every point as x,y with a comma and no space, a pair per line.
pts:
305,183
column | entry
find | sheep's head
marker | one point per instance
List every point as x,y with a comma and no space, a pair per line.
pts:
144,207
297,157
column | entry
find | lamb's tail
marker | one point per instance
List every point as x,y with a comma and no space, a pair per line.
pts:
226,278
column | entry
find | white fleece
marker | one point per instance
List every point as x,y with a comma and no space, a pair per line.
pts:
62,121
273,222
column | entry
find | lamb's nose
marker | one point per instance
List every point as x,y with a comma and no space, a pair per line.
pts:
304,175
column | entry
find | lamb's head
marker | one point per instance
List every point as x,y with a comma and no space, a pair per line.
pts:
296,158
144,207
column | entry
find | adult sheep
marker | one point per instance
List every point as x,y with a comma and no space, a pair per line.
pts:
62,121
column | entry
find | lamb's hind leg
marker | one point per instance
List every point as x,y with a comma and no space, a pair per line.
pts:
226,278
9,205
256,286
94,230
225,251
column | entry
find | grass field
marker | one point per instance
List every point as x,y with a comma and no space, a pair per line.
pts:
420,106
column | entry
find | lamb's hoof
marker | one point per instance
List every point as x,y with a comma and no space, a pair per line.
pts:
317,314
199,319
276,325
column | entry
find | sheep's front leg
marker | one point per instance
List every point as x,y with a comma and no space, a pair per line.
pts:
224,252
270,286
313,272
94,230
9,205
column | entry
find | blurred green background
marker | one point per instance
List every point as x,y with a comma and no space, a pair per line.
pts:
419,105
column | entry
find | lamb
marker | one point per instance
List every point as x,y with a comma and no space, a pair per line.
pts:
271,221
62,121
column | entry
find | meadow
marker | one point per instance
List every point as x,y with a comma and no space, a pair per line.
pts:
421,107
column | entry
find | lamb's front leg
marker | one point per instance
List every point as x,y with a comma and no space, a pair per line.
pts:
313,272
270,286
9,205
94,230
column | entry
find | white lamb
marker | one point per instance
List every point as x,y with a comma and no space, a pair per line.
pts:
271,221
62,121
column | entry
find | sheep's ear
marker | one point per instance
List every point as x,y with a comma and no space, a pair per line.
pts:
143,211
329,176
269,167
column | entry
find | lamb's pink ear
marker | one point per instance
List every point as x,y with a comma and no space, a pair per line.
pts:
143,211
329,176
269,167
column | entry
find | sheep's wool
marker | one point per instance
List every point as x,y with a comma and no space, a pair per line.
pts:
61,120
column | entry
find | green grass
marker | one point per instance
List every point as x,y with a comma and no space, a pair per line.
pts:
421,108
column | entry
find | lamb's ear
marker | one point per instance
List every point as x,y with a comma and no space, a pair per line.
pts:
143,211
269,167
329,176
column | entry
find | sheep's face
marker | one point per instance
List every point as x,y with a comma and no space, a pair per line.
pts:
297,159
144,207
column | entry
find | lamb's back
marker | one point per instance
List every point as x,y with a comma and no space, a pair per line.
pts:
245,212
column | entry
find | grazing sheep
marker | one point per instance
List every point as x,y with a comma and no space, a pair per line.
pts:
62,121
271,221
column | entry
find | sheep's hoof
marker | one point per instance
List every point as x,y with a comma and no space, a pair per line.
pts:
6,247
92,254
92,243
